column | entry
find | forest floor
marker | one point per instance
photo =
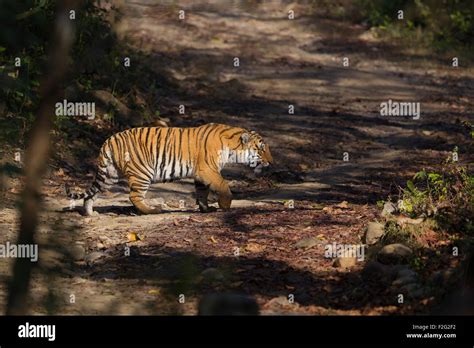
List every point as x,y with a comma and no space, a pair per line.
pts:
261,247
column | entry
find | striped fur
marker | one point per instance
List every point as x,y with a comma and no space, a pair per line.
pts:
147,155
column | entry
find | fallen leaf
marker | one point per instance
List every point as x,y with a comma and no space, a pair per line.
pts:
154,292
134,237
213,240
343,205
254,247
193,219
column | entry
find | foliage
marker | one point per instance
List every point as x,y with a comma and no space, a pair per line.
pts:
25,32
446,195
444,22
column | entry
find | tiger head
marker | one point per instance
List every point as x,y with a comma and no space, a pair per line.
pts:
258,151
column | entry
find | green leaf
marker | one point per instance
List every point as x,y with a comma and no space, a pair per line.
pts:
421,175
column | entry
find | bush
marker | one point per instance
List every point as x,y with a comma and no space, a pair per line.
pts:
25,33
445,22
446,195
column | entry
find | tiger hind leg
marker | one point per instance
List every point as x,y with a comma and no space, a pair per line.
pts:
107,176
137,197
89,204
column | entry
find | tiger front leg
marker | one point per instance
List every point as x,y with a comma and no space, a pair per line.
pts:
202,192
225,196
218,184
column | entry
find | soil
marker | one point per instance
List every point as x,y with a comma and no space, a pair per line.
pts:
137,264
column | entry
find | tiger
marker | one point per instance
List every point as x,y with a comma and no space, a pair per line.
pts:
148,155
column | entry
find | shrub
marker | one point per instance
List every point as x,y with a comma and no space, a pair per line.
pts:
446,195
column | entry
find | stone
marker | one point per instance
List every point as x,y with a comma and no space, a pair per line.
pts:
345,262
72,93
404,281
412,290
394,253
389,209
404,221
228,304
442,277
77,252
104,239
93,256
307,243
407,272
123,114
375,231
375,271
279,301
212,274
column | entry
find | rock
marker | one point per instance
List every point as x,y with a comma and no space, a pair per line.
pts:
294,278
371,35
394,253
134,251
404,220
375,271
345,262
375,231
77,252
412,290
278,301
93,256
442,278
404,281
51,258
73,92
161,122
420,292
307,243
104,239
122,114
389,208
212,274
407,272
228,304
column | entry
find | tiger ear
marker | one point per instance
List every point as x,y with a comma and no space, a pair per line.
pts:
245,137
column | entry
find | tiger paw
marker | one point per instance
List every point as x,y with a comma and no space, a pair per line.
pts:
207,209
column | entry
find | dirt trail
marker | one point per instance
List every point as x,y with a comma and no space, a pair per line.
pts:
282,62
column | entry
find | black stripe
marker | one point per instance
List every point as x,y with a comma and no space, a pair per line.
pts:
138,157
163,160
158,151
180,154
